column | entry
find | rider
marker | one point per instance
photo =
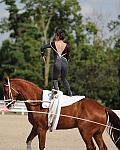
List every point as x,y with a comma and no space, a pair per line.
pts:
61,55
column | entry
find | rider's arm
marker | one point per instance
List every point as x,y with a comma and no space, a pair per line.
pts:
67,52
43,48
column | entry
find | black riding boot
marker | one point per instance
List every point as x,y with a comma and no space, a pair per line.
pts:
67,87
55,84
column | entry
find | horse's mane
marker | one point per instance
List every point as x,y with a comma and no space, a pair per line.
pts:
25,81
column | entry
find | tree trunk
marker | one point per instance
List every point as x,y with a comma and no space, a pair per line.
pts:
47,68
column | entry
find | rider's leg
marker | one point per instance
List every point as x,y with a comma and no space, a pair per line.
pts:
55,84
64,70
67,86
56,74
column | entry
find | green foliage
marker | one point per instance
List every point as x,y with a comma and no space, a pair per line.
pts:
114,26
93,67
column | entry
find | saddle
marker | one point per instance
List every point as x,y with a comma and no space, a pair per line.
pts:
54,100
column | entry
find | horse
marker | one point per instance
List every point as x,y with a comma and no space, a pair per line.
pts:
87,109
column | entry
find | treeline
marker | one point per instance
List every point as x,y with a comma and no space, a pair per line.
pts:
94,61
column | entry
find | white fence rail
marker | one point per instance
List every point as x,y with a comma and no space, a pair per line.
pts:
21,108
18,108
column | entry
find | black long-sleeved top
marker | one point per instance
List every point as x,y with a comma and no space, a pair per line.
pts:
65,52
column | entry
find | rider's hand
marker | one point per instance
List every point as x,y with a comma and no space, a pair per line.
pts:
44,59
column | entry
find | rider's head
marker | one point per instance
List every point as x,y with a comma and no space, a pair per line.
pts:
59,34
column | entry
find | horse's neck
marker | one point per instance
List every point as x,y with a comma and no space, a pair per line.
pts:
33,94
30,93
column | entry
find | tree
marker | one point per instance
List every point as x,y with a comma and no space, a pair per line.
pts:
93,65
20,56
51,14
41,16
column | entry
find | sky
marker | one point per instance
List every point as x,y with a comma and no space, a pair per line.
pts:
109,7
89,8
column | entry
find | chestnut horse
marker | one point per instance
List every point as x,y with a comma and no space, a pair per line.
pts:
86,108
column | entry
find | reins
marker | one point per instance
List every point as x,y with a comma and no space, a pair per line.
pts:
29,101
67,116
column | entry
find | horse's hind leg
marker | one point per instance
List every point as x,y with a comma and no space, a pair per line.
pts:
99,140
87,137
31,136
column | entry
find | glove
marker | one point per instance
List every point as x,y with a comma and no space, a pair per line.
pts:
44,59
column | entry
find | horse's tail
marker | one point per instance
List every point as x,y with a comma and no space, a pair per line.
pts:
114,131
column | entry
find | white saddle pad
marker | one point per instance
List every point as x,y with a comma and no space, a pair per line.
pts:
55,104
65,100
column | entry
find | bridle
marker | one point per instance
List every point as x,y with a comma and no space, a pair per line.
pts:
10,100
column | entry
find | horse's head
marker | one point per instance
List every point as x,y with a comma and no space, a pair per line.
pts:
10,93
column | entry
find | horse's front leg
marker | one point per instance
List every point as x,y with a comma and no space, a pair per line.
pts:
31,136
42,138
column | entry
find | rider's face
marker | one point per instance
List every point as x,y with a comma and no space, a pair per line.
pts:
57,37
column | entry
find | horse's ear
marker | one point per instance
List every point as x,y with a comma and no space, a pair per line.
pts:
5,80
